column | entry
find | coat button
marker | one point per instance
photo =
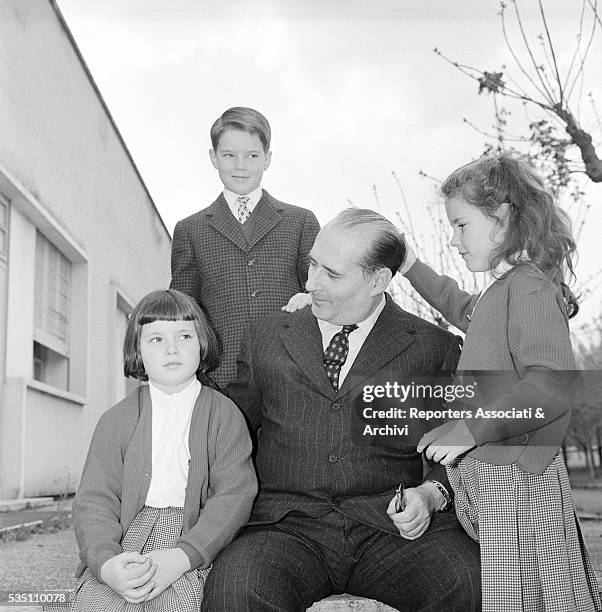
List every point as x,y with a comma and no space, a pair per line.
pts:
336,406
254,293
251,262
333,458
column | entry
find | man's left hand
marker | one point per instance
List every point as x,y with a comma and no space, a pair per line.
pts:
415,519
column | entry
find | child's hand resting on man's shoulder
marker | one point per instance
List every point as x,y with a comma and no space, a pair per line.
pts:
297,302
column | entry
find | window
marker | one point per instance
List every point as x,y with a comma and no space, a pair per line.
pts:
52,304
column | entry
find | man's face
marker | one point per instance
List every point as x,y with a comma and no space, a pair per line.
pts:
240,161
342,293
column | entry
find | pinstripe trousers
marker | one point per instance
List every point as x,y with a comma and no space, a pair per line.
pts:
301,559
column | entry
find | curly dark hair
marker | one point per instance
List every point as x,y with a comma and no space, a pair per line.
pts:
537,226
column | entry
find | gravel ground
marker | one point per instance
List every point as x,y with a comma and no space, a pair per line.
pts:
44,561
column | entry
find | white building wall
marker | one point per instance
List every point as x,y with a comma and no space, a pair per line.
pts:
65,172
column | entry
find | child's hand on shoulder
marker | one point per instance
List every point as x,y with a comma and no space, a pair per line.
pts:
130,575
171,564
409,259
297,302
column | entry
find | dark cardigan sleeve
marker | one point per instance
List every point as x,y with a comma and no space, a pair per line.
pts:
97,504
232,485
442,293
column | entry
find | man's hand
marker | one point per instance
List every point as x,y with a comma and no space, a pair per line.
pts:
171,564
446,442
297,302
415,519
129,574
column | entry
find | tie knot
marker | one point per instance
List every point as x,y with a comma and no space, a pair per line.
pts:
347,329
244,200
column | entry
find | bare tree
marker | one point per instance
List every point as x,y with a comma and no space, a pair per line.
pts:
551,89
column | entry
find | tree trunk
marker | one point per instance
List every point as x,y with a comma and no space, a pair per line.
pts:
580,138
591,463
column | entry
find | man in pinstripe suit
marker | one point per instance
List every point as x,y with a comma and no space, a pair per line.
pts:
324,521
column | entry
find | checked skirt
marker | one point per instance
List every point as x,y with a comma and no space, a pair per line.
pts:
152,529
533,557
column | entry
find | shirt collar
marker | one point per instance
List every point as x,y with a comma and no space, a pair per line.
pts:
184,397
365,326
254,198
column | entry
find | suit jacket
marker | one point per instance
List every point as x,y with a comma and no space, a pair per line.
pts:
311,454
238,281
518,348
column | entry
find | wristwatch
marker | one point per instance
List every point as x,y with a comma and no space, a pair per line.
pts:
446,496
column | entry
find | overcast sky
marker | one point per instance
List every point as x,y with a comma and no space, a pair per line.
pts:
352,89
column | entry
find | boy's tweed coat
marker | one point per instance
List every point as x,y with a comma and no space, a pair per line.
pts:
238,281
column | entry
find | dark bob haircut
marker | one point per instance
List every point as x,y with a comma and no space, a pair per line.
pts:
168,305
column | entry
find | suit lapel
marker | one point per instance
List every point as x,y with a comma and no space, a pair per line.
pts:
392,333
267,215
302,340
222,219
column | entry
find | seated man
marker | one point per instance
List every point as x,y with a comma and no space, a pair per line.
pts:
324,521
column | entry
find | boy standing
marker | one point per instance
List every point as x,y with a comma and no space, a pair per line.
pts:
245,255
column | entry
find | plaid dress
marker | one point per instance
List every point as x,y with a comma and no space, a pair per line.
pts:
533,557
152,529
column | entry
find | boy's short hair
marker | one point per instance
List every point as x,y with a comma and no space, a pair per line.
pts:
244,119
168,305
385,246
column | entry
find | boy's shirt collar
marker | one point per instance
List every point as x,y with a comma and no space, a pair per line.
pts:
254,198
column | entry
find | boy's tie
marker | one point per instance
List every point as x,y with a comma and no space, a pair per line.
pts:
336,353
242,211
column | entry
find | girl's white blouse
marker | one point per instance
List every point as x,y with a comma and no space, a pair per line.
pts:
171,415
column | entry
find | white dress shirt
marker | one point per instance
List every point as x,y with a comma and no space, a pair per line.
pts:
171,416
231,199
356,338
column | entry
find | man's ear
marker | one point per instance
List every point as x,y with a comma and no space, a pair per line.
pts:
213,158
268,160
381,281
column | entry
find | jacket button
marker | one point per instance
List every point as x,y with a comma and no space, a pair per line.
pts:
251,261
336,406
254,293
333,458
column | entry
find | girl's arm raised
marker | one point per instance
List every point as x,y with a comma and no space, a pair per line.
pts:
442,293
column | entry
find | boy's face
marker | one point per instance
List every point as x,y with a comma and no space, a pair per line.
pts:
240,161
